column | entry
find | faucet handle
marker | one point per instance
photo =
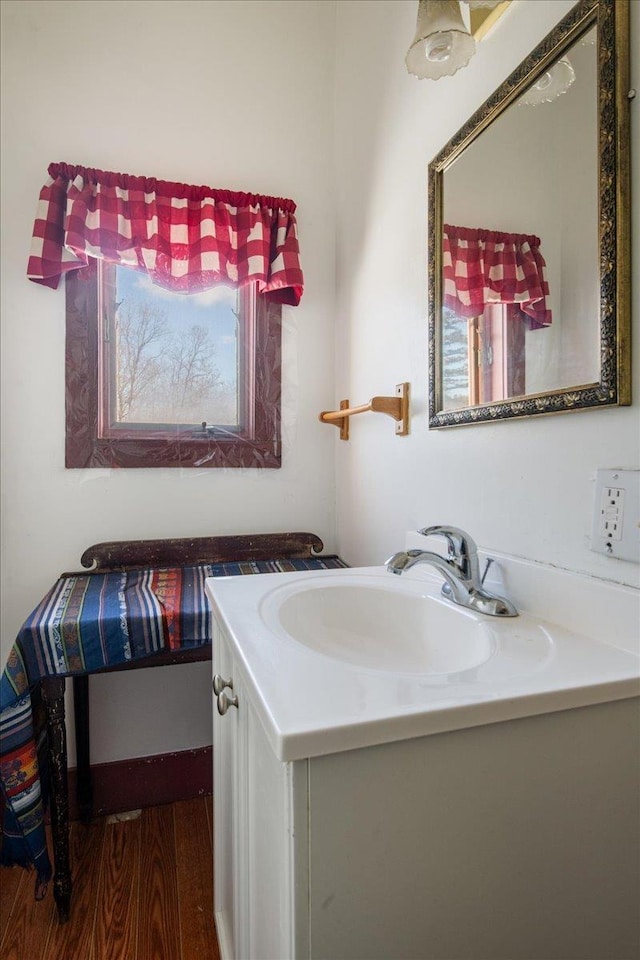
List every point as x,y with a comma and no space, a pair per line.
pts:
458,539
461,547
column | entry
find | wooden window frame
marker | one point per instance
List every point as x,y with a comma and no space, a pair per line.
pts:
504,326
90,439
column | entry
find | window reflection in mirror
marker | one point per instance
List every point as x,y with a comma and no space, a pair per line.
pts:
483,358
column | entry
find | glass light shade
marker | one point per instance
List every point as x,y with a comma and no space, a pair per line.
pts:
442,43
552,84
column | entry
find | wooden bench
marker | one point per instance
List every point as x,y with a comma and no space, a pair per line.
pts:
133,555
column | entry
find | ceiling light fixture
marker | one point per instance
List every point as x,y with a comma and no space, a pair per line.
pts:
442,43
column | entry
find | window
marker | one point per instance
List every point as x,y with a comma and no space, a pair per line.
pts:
160,379
483,357
497,346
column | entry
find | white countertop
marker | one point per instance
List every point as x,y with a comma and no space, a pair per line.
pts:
312,704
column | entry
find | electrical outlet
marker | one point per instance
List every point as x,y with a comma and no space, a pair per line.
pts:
611,512
616,519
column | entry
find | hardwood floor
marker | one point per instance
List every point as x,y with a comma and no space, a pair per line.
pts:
143,890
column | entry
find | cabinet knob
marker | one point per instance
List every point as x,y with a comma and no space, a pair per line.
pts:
224,702
219,684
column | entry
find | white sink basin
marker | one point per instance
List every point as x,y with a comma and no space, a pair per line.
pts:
381,626
341,659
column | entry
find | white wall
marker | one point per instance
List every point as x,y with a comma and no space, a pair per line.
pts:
522,487
202,92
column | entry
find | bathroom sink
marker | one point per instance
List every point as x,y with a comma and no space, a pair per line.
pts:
348,658
374,623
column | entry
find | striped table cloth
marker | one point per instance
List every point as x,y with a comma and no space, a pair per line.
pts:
86,622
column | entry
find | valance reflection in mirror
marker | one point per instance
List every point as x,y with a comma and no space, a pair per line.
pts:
520,290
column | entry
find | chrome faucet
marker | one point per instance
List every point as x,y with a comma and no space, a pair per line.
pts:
460,569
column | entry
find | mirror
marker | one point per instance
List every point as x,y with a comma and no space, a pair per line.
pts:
529,290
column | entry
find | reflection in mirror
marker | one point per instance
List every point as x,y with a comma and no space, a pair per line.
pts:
533,172
521,285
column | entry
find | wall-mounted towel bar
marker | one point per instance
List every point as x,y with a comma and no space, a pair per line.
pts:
396,407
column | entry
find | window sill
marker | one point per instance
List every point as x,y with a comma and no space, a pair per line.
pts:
183,452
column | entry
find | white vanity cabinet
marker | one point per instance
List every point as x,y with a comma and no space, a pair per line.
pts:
509,840
254,842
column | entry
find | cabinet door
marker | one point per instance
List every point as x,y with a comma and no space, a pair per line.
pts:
277,828
227,827
260,833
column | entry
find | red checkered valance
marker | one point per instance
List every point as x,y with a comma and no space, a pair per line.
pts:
486,266
185,238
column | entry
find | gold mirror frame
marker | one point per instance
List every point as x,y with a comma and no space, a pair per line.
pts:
614,387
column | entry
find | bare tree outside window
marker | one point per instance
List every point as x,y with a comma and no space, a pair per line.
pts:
139,329
166,363
455,360
145,367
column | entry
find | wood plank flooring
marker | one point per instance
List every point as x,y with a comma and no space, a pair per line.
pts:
143,890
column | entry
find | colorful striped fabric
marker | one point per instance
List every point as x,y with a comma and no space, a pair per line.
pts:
84,623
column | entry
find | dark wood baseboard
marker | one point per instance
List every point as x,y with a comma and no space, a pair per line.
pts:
147,781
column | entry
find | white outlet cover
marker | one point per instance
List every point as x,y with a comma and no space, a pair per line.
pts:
616,514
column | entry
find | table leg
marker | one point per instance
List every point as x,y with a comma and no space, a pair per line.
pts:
84,786
53,699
